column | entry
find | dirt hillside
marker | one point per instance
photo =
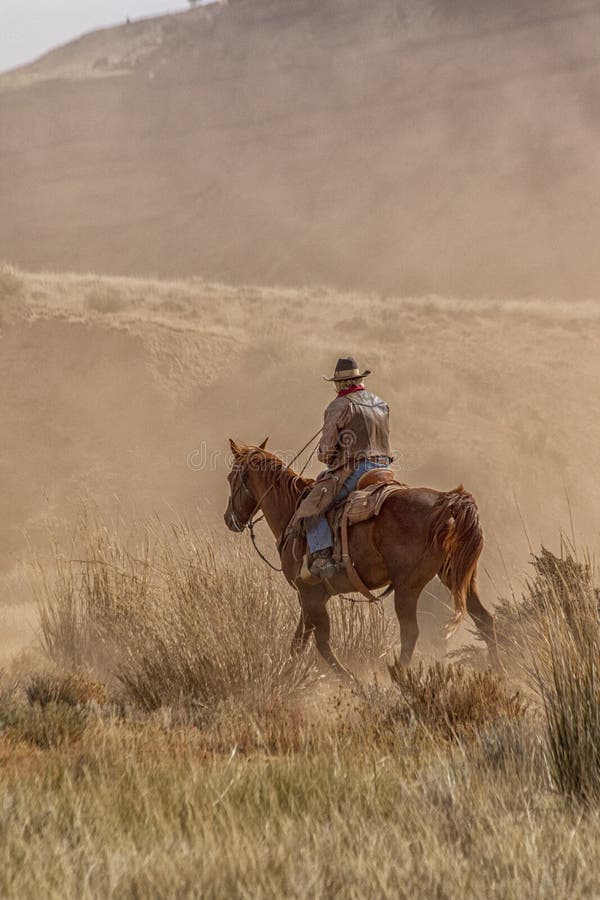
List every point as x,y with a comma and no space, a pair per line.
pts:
403,146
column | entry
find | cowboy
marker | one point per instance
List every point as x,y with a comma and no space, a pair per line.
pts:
355,438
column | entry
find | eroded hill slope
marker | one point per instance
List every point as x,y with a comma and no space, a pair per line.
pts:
403,146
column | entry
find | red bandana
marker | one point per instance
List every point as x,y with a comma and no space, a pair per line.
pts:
351,390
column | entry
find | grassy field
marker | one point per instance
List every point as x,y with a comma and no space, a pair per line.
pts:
161,742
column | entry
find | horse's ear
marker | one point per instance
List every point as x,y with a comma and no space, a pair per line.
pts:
264,444
235,447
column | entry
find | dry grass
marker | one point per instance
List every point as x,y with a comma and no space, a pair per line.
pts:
149,808
104,298
170,618
169,748
551,638
11,283
11,293
455,703
519,620
567,672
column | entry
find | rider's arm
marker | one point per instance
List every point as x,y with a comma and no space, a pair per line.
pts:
334,420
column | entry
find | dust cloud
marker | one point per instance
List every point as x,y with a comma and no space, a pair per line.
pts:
125,392
428,161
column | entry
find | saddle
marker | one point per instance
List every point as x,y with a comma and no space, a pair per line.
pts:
375,476
364,503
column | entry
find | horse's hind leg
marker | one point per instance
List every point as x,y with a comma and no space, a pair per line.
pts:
405,603
484,622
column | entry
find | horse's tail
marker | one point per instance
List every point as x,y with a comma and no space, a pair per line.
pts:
456,530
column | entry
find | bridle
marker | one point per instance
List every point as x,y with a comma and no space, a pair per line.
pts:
238,488
241,485
251,521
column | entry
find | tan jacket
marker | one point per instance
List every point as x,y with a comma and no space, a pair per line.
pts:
356,427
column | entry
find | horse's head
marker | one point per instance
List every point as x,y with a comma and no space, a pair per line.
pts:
242,503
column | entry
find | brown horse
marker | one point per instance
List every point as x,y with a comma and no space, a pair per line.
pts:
419,533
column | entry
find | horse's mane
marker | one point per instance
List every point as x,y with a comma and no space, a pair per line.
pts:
281,476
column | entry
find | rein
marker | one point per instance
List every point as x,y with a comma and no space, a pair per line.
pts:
250,527
252,521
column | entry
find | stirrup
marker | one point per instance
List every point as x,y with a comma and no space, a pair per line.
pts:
306,575
323,567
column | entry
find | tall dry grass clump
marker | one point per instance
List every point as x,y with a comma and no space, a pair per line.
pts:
173,617
455,703
92,591
170,618
219,626
566,670
550,640
362,633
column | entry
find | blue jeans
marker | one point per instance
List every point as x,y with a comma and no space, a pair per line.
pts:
318,532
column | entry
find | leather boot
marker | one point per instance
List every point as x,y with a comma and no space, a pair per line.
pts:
322,564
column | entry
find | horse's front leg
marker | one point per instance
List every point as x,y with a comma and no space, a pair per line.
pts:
315,620
301,636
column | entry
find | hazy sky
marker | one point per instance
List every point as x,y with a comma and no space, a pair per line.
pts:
29,29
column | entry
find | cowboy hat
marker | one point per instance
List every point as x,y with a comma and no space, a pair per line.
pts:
346,368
